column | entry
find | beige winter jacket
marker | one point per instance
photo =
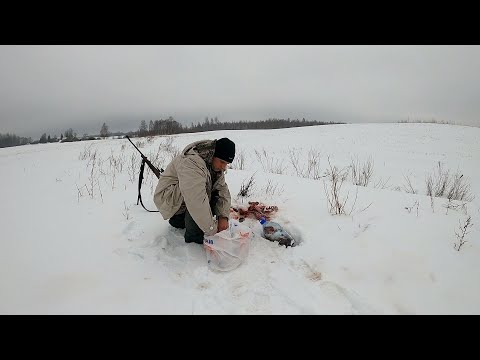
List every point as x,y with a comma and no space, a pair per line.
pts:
188,179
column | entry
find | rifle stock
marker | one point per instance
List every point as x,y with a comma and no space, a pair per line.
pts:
154,169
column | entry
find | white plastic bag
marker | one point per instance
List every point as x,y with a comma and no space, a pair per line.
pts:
227,249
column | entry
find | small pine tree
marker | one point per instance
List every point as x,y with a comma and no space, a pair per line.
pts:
143,128
104,131
69,134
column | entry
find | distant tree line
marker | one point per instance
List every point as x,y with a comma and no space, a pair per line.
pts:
167,126
427,121
68,136
7,140
170,126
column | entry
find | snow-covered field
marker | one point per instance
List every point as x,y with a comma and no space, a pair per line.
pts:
75,242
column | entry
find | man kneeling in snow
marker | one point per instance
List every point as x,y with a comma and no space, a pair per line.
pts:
192,189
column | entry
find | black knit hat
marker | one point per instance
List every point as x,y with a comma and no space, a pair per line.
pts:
225,149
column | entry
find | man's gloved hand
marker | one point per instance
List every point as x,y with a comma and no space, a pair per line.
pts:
222,223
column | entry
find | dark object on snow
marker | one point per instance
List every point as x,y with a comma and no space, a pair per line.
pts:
154,169
274,232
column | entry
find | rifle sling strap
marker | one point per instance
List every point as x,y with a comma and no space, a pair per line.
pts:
140,179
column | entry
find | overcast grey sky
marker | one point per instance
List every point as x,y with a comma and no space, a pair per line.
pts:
52,88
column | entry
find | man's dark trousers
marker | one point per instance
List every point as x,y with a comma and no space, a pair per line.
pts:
185,221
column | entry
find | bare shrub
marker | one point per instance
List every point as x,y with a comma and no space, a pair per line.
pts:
168,144
247,187
133,167
313,164
126,211
462,231
408,187
79,193
116,166
442,184
239,161
361,173
93,177
455,206
121,162
459,189
85,154
438,183
295,161
140,144
365,208
269,164
272,189
91,158
381,183
100,190
95,168
334,199
101,170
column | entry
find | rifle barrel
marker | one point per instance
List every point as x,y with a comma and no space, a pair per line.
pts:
152,167
143,156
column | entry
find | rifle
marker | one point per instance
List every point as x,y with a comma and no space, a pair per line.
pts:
154,169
